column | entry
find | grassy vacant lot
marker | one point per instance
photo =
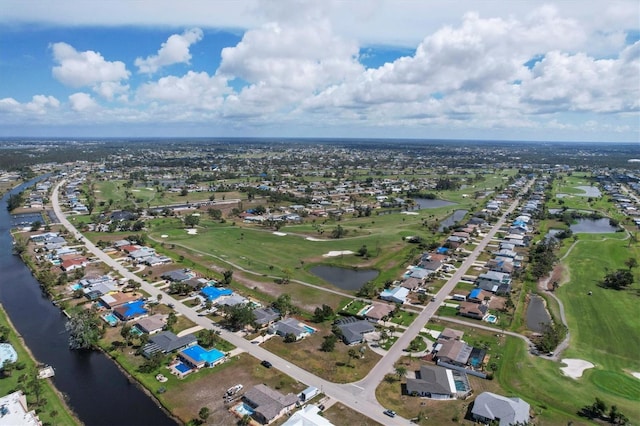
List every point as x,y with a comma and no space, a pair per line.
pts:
339,414
53,411
333,366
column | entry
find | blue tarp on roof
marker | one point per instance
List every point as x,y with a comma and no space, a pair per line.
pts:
198,354
212,293
442,250
475,293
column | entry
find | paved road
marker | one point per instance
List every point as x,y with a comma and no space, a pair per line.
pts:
369,408
368,385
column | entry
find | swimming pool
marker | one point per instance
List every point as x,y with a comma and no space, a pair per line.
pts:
243,409
491,319
110,319
76,287
182,368
7,353
365,310
309,329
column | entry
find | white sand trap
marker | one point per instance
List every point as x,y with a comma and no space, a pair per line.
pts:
313,239
280,234
635,374
135,190
96,190
575,367
150,189
337,253
192,231
411,213
164,236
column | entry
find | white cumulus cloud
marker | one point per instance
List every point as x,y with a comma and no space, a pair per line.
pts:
174,51
39,105
78,69
80,102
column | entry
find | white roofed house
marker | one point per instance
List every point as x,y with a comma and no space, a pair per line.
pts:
490,407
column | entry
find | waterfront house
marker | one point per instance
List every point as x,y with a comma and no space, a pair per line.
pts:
267,404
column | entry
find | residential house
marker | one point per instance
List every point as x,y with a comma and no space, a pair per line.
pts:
395,295
473,310
74,263
114,300
454,352
490,407
354,329
166,342
495,282
432,381
14,411
176,275
450,334
268,404
478,295
379,311
152,324
290,326
307,416
411,283
265,316
130,310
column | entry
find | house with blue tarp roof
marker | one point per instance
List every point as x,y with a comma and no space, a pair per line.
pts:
213,293
199,357
130,310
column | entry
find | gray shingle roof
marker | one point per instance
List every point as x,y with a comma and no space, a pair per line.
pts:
490,406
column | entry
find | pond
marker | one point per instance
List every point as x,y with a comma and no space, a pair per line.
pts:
593,226
426,203
589,191
344,278
537,315
457,216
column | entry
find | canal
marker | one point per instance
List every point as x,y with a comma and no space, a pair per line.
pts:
98,392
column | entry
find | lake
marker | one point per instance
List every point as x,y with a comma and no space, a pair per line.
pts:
593,226
537,315
344,278
426,203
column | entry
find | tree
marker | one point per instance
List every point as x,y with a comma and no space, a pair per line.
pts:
401,371
283,305
208,338
125,332
618,280
290,338
239,316
133,284
7,368
214,214
172,319
204,413
191,221
631,262
338,232
227,276
362,251
353,354
184,192
36,225
329,343
321,314
84,330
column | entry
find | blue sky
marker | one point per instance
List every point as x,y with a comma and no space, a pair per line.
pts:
293,68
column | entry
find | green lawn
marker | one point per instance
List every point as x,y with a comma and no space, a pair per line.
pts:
603,331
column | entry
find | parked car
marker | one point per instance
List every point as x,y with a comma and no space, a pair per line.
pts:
266,364
390,413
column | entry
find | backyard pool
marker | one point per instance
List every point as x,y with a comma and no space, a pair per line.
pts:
311,330
7,353
365,310
76,287
110,319
182,368
243,409
492,319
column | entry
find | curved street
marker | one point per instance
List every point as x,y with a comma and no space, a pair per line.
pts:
359,396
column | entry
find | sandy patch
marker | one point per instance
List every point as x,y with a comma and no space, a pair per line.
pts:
135,190
150,189
164,236
335,253
411,213
192,231
313,239
96,190
635,374
280,234
575,367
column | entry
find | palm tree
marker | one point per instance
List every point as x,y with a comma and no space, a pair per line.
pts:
401,371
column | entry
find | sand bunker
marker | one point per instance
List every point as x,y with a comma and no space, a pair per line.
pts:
635,374
337,253
313,239
411,213
164,236
279,234
575,367
192,231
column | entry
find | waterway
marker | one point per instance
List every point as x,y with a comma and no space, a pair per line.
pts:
98,392
452,219
344,278
428,203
